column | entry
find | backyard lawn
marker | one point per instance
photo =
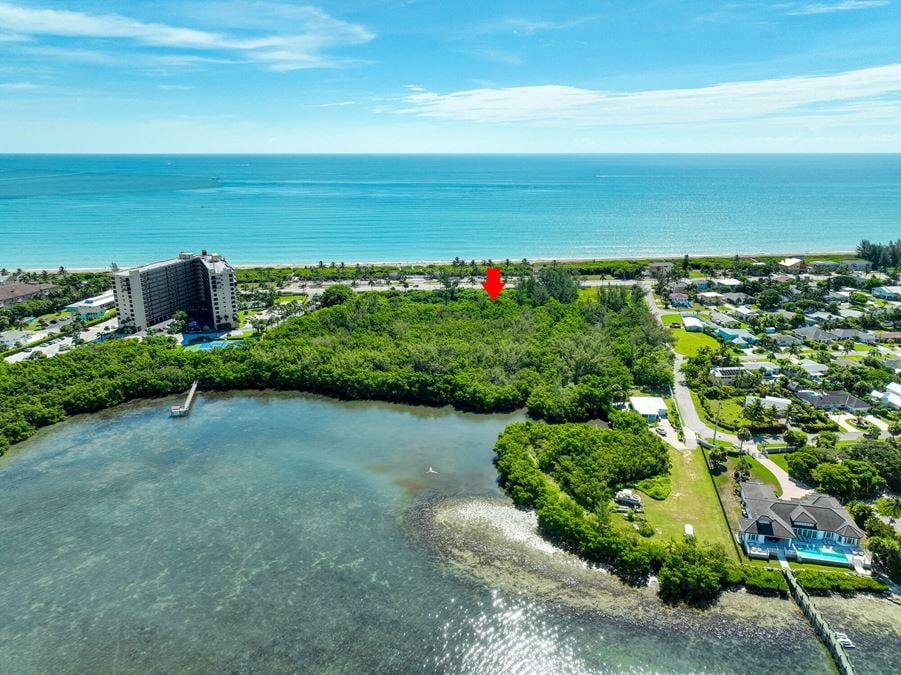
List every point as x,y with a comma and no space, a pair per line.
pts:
688,344
692,500
289,298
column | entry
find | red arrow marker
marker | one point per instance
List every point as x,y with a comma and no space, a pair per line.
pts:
493,284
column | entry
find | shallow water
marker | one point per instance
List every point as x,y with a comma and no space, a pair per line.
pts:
289,533
61,209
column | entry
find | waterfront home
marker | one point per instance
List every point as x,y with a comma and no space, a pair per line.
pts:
813,529
791,265
834,400
13,294
710,298
660,269
679,300
692,324
887,292
721,319
814,334
652,408
857,265
735,335
823,266
814,369
780,405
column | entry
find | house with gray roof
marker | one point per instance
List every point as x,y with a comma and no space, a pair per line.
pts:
737,298
814,334
814,369
721,319
785,340
814,529
834,400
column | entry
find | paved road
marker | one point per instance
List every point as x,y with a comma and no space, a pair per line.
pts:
692,424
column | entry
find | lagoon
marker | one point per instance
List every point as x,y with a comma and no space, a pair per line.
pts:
283,533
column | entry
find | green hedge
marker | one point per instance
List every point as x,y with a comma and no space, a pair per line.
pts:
826,583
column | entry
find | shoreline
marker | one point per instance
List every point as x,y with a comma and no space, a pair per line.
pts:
411,263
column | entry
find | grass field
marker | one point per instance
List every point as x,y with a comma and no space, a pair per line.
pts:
670,318
289,298
779,459
692,500
688,344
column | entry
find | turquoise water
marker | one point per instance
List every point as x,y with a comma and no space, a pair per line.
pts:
272,533
213,344
83,211
811,552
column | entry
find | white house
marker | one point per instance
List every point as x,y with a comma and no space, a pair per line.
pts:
710,298
652,408
813,369
890,398
744,312
692,324
770,402
791,264
887,292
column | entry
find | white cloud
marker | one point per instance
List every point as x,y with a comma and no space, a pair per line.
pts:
312,33
19,86
174,87
528,27
830,7
720,102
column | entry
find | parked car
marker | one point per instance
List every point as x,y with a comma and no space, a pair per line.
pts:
660,430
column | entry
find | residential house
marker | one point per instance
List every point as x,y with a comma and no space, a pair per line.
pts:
692,324
839,296
890,398
823,266
726,284
815,528
765,368
791,265
744,312
889,336
737,298
887,292
894,364
780,405
736,335
834,400
710,298
816,318
700,284
660,269
857,265
814,369
721,319
93,308
814,334
13,294
850,313
785,340
864,337
725,374
679,300
652,408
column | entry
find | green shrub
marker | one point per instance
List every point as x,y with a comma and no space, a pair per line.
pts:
657,487
825,583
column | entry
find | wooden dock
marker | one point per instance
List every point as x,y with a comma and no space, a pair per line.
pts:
183,410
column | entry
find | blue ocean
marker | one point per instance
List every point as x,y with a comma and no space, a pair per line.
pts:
92,210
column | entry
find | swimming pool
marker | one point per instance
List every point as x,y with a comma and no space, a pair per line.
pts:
811,552
213,344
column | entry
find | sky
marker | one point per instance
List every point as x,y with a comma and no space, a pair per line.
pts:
421,76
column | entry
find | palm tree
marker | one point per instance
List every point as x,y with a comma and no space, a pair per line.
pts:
894,507
743,435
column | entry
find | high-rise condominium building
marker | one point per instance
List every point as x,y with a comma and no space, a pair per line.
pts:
202,285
